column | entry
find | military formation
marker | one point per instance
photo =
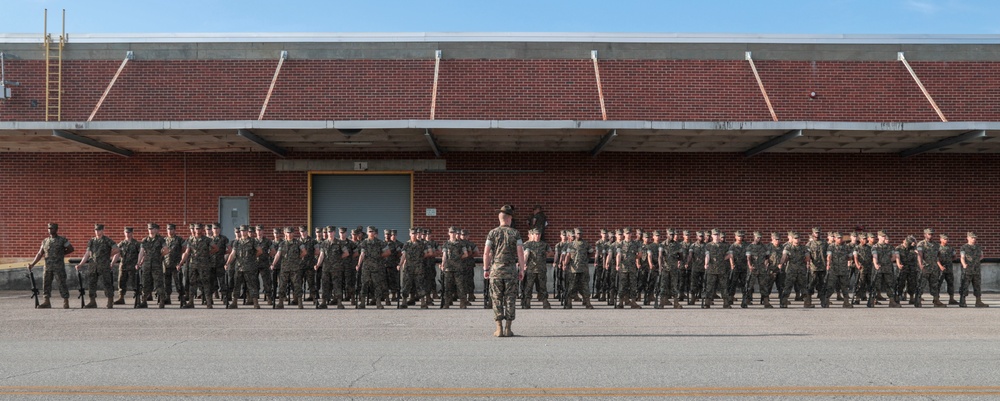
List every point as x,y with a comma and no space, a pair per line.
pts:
339,266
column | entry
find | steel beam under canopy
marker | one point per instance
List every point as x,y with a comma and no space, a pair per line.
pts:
795,133
944,143
433,141
92,143
264,143
605,140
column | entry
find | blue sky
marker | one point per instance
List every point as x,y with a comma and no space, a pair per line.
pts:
690,16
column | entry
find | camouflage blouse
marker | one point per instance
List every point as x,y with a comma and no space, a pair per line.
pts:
100,251
535,255
503,242
839,255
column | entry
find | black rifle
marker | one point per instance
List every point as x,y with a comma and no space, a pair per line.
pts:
274,288
657,290
359,289
182,288
83,292
872,288
747,289
963,288
918,291
135,295
487,299
34,288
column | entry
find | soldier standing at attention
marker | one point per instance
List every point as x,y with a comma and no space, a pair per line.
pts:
738,263
263,261
173,246
930,267
391,261
538,221
469,265
151,266
774,266
839,274
797,271
882,258
536,272
101,249
946,257
627,268
199,251
129,255
290,253
600,250
411,268
653,264
697,268
557,273
308,276
430,268
503,261
817,267
863,260
245,252
577,266
851,266
906,260
328,267
757,262
218,272
670,281
54,249
452,253
717,268
373,251
684,274
972,256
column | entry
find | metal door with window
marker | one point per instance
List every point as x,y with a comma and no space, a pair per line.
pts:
233,212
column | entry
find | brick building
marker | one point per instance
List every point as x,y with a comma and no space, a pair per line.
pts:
762,133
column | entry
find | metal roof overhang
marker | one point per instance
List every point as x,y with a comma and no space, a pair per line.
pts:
500,135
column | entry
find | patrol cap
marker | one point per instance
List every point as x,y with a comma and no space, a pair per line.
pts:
577,231
671,231
685,232
971,234
324,229
645,235
393,231
699,233
151,226
945,236
331,229
793,234
98,227
656,233
911,239
427,231
869,235
128,229
835,234
276,230
533,231
775,234
507,209
626,230
192,226
289,229
856,235
603,231
816,230
462,231
244,227
216,225
829,234
172,226
739,233
618,232
210,225
53,226
303,228
757,234
715,231
882,233
373,229
343,229
318,228
928,231
259,227
452,230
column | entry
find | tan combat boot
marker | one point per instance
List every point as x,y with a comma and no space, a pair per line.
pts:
463,303
847,303
499,331
424,302
209,302
586,303
299,302
256,304
233,304
660,303
546,304
677,304
65,303
767,303
633,305
121,299
281,303
808,302
507,332
111,302
894,303
45,304
937,302
980,303
92,304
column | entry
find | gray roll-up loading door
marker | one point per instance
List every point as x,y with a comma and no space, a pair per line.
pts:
351,200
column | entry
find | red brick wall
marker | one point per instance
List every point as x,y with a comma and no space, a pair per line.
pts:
656,90
952,193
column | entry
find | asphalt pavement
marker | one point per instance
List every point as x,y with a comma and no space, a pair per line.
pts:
860,353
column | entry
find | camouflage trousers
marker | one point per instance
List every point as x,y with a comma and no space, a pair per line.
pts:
669,282
816,279
885,279
126,275
794,276
738,281
454,285
171,278
291,276
56,269
264,271
332,281
598,280
864,282
430,275
697,286
392,277
103,275
765,280
578,283
717,281
503,292
838,284
931,276
248,278
373,282
413,282
906,281
201,277
152,281
947,278
194,280
469,273
628,285
536,282
307,279
973,277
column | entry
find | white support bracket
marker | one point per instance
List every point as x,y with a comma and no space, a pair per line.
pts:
913,74
128,56
600,88
434,89
760,84
274,80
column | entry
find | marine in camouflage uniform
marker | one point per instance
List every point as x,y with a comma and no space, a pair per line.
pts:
373,252
174,246
670,278
717,269
972,256
244,253
776,270
199,251
653,264
558,287
411,267
219,281
946,256
610,273
795,257
263,262
930,269
577,268
391,262
100,250
308,276
600,252
151,266
536,274
127,273
452,253
503,259
351,273
290,253
738,263
696,266
329,266
863,259
758,263
684,274
627,266
430,263
906,280
839,273
817,268
883,256
54,249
